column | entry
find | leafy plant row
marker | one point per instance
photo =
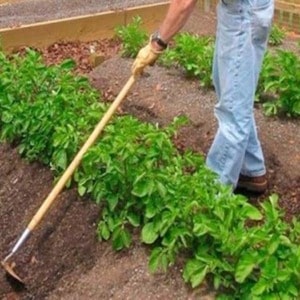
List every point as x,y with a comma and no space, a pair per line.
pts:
280,82
280,78
140,180
47,110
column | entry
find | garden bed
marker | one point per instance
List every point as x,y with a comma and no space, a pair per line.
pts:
63,259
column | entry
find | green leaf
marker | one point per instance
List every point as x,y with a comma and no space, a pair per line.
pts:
161,189
270,268
251,212
206,224
274,200
68,64
121,238
149,234
158,260
143,188
81,190
195,272
134,219
61,159
217,282
285,240
200,229
126,237
112,223
164,262
244,267
293,290
112,201
271,208
154,259
283,275
151,209
259,287
7,117
198,277
104,231
273,244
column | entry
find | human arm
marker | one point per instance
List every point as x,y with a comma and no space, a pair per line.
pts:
176,17
178,13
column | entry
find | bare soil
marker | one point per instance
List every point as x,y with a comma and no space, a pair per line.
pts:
63,259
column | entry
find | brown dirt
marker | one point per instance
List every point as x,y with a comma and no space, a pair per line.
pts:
63,259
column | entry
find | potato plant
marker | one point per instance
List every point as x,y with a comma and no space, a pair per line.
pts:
46,110
133,37
140,180
281,78
277,35
194,54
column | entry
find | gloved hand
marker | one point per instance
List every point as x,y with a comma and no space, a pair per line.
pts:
146,56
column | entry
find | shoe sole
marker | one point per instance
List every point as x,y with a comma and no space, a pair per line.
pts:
255,188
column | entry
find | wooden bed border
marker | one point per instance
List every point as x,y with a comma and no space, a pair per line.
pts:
83,28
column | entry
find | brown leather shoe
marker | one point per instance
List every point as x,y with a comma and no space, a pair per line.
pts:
257,184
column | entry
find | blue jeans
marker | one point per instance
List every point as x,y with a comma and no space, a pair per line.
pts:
241,40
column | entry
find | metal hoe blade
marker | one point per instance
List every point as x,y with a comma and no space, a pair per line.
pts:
9,270
10,266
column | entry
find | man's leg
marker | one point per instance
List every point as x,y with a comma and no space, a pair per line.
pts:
235,82
261,15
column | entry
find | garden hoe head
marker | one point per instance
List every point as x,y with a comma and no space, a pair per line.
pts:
6,264
9,268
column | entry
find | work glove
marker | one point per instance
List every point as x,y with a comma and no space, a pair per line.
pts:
146,56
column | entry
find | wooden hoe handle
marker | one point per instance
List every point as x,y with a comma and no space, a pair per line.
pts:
76,161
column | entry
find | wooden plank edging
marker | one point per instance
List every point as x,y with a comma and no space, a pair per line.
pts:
83,28
288,7
6,2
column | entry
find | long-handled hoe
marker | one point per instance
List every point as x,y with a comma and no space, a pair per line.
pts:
7,264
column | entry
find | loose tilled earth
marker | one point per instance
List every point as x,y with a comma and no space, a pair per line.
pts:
63,259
